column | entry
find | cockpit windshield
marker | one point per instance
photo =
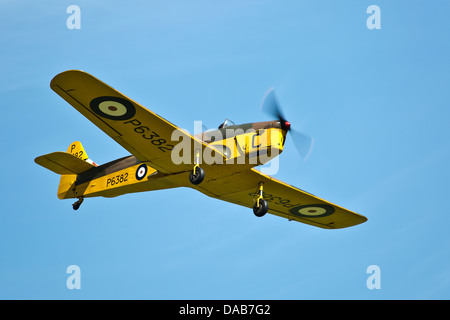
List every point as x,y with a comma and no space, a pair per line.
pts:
226,123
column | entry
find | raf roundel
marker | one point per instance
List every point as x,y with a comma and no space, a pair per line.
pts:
113,108
141,172
312,211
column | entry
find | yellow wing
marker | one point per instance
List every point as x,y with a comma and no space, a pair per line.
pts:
140,131
284,200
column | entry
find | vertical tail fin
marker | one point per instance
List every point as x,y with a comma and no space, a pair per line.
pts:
76,148
66,188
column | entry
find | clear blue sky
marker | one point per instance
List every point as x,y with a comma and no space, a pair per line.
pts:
375,101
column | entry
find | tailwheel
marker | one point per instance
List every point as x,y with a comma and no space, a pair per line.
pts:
77,204
197,175
260,208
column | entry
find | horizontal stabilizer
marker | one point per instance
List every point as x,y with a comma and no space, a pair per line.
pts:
63,163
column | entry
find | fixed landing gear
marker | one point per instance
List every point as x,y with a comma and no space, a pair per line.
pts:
77,204
261,206
197,174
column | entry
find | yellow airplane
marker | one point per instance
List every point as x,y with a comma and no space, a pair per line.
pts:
219,163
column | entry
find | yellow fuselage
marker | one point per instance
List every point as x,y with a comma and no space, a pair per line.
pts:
243,150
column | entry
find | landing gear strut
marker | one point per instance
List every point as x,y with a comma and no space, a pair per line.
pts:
261,206
77,204
197,174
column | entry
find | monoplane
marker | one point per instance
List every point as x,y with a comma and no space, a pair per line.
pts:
220,163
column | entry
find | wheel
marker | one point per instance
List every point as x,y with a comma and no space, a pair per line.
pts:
77,204
197,176
262,209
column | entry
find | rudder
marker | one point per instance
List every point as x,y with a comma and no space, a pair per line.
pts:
66,188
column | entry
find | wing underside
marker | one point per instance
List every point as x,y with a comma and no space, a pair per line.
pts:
284,200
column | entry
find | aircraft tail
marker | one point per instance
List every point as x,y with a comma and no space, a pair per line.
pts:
68,164
66,183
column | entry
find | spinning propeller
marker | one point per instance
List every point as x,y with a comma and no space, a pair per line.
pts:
303,143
